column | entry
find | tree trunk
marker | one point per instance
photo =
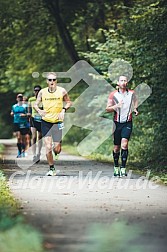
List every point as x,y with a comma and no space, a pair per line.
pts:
53,6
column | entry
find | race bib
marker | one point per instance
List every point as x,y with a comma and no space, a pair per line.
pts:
37,118
22,125
60,125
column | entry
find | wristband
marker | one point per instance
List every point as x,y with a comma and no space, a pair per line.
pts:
65,109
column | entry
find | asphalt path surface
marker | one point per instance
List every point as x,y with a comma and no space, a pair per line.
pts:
84,208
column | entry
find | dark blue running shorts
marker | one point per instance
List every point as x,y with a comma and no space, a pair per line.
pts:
52,129
23,131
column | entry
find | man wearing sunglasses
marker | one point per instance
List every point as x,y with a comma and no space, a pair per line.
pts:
55,101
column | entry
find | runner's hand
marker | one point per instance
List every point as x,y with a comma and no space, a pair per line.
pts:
41,112
136,112
120,104
61,115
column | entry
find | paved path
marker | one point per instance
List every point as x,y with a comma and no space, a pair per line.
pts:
129,214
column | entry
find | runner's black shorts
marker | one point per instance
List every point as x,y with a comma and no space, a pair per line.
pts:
16,127
52,129
35,124
122,130
23,131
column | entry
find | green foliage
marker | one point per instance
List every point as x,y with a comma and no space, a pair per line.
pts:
32,47
6,121
163,177
20,238
15,235
75,135
118,236
140,39
101,31
8,206
1,151
7,222
150,63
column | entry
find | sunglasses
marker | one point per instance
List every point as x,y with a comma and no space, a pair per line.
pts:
20,98
36,90
51,79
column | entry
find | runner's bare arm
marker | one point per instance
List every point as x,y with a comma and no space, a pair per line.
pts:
37,103
111,107
67,105
29,107
135,104
67,101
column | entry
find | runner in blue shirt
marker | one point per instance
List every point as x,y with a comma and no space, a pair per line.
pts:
21,127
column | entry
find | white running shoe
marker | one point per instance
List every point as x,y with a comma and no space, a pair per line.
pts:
123,172
51,173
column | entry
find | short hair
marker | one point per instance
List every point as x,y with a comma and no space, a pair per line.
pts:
123,76
37,87
19,95
53,73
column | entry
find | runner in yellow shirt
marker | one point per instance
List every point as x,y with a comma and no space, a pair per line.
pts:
55,101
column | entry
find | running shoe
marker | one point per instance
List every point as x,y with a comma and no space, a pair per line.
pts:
18,154
51,172
23,154
116,171
37,158
123,172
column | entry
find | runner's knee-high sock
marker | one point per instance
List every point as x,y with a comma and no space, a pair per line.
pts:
51,167
23,147
19,148
124,157
116,158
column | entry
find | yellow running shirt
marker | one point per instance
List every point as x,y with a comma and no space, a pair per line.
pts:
52,104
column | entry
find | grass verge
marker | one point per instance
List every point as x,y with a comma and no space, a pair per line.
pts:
2,148
15,234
